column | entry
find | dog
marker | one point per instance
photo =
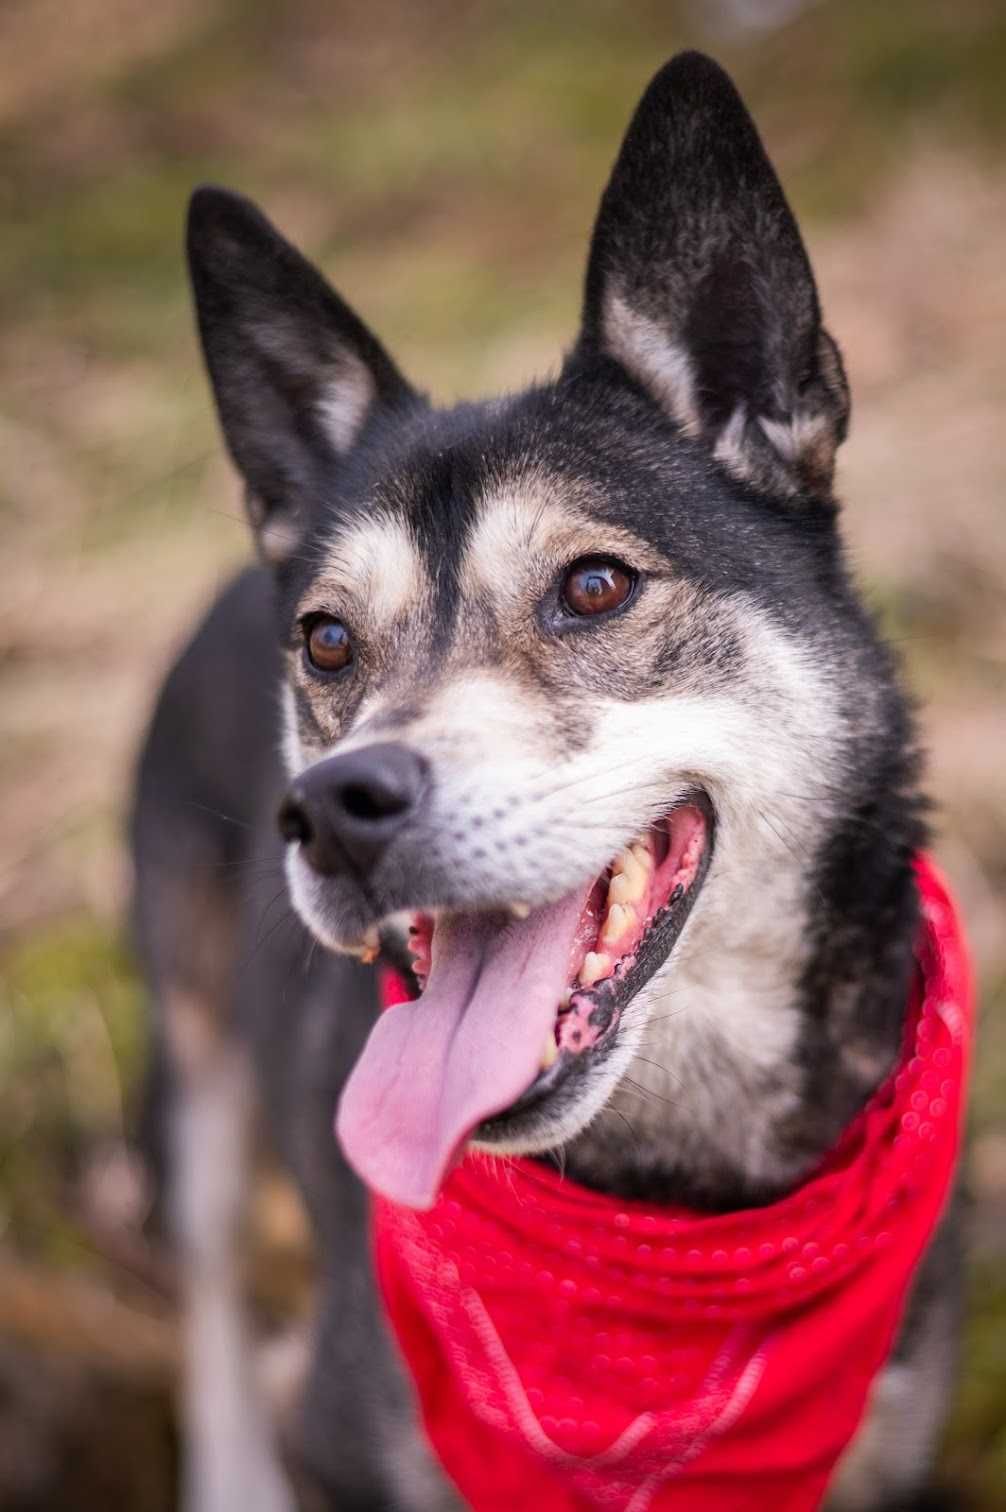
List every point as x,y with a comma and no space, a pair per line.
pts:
568,707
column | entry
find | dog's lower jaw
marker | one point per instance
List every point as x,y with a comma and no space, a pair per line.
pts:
549,1135
351,931
715,1104
690,1116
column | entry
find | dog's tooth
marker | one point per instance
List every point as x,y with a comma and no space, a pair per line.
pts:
596,964
371,947
643,852
630,884
617,924
549,1052
520,910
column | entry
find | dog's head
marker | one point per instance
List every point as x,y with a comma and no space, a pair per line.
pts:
555,680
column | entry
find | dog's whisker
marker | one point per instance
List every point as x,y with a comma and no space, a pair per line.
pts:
286,917
801,859
672,1075
218,814
609,1108
630,1083
313,946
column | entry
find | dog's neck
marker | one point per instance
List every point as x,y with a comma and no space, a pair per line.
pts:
780,1016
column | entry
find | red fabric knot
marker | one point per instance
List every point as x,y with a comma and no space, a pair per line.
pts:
625,1357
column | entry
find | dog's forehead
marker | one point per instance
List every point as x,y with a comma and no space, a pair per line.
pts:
518,523
423,554
375,562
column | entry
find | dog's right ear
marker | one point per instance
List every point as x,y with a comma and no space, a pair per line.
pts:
295,373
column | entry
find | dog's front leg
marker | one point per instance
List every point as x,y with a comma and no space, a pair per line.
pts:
229,1459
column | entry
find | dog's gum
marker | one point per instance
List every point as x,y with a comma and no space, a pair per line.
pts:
583,1025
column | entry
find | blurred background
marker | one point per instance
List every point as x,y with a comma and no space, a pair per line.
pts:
443,163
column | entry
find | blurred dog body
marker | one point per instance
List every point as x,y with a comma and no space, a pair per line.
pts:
629,579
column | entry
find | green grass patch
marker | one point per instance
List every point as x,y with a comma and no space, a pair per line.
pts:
71,1048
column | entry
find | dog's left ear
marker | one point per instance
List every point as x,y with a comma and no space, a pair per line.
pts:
295,373
699,286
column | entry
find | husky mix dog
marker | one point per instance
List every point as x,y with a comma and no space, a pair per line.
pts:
488,649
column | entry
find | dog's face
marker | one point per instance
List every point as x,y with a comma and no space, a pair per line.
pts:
574,679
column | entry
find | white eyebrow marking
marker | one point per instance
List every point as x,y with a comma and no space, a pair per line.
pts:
534,521
378,562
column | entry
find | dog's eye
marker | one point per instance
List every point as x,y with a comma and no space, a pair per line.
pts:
328,642
596,586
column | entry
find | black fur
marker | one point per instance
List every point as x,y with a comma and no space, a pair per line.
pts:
269,374
695,232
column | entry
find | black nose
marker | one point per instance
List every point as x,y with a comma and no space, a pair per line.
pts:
345,810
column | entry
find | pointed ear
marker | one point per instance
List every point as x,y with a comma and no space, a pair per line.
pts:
699,286
295,374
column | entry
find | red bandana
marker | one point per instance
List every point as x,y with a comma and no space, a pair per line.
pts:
575,1351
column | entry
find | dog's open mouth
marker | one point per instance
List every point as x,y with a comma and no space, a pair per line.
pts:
513,1003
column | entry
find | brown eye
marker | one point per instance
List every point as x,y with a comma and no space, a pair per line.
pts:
596,586
329,647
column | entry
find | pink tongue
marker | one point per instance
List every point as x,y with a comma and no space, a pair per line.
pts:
433,1069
